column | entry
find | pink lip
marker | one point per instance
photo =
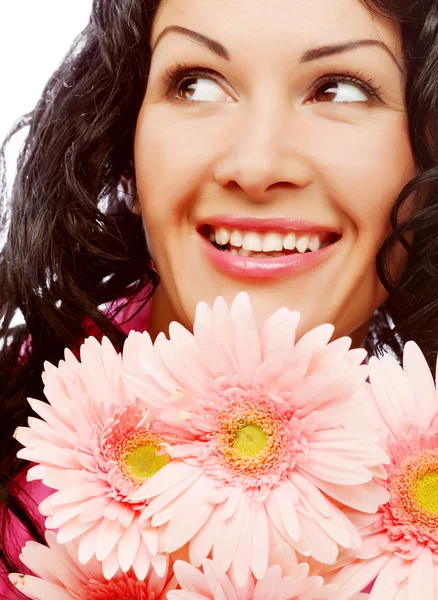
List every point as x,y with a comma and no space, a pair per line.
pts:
267,224
264,268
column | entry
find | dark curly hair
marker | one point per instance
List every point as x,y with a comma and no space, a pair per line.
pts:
73,243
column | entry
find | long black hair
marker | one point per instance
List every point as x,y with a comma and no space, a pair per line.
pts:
73,243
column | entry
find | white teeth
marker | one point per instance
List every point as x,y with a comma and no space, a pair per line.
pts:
222,236
302,243
289,241
314,243
236,239
253,241
272,242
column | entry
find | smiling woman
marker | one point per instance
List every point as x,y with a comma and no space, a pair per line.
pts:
188,149
289,134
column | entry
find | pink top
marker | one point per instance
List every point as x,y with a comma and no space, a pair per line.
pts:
36,490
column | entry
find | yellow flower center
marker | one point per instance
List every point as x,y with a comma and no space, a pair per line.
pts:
427,492
250,440
414,494
139,455
253,441
143,461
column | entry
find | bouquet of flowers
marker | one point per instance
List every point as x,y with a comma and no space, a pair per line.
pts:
234,463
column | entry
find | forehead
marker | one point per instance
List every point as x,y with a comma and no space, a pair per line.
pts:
277,26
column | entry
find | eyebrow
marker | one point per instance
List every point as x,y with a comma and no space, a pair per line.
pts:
323,51
212,45
307,56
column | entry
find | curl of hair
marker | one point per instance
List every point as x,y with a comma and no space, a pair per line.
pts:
73,243
411,311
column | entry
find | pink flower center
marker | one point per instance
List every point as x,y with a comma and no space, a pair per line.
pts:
128,452
250,437
126,589
252,444
414,497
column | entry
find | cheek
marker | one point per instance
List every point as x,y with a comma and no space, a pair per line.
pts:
369,168
156,164
363,170
384,165
173,158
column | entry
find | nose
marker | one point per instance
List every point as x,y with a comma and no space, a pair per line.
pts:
264,151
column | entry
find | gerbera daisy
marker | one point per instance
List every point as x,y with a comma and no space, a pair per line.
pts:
94,447
60,576
278,428
285,579
400,542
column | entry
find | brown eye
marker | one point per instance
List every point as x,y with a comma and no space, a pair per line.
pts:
200,89
339,91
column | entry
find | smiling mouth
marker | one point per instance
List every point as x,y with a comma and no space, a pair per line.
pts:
266,244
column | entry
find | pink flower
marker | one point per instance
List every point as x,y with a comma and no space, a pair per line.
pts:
278,429
285,579
93,447
60,576
400,545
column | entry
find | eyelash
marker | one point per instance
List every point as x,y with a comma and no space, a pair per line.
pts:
178,72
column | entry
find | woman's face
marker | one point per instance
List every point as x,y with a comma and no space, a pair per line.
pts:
290,110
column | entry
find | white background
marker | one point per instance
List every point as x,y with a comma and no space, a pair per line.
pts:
34,37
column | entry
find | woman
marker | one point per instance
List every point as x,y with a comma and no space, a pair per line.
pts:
195,148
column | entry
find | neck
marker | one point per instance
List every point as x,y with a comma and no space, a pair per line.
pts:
358,336
162,314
